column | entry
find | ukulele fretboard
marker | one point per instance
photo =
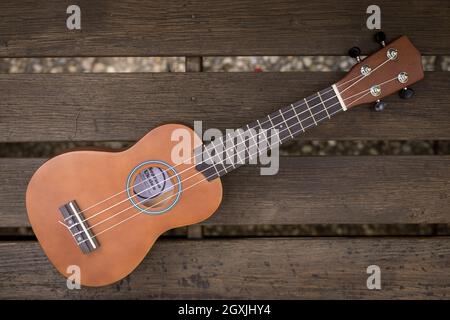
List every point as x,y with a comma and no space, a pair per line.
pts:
244,145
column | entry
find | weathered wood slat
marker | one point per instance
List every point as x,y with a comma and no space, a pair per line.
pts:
50,107
382,189
275,268
237,27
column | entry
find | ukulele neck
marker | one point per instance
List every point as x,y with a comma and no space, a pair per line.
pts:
245,144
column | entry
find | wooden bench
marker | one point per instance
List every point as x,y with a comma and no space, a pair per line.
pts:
308,190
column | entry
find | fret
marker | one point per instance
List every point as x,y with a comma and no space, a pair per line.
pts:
271,123
303,113
287,126
330,100
234,148
211,158
238,131
220,161
282,133
292,121
252,137
259,124
317,108
325,107
262,131
309,109
208,170
254,140
242,142
254,128
217,154
296,115
265,125
279,124
226,151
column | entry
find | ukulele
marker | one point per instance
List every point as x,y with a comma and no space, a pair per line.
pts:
102,211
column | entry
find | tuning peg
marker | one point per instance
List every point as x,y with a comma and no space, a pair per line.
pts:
380,37
406,93
355,52
380,105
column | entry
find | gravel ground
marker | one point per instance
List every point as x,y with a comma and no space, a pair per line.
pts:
293,63
85,65
176,64
294,148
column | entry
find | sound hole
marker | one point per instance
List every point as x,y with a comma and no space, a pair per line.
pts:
153,187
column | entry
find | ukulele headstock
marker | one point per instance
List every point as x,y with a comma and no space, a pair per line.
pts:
388,70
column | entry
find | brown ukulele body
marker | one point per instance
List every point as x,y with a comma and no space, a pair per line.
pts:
91,176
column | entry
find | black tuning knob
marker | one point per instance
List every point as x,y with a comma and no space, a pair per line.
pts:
406,93
380,105
355,52
380,37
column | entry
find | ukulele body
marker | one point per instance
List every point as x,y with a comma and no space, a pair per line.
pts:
88,177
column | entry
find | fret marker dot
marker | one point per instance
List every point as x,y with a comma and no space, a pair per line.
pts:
70,221
79,238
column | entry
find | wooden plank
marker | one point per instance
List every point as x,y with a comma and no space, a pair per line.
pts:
194,64
324,190
333,268
236,27
58,107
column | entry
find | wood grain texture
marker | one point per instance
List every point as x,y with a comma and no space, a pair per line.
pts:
332,268
57,107
381,189
236,27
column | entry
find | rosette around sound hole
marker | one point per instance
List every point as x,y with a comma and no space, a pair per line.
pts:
155,187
